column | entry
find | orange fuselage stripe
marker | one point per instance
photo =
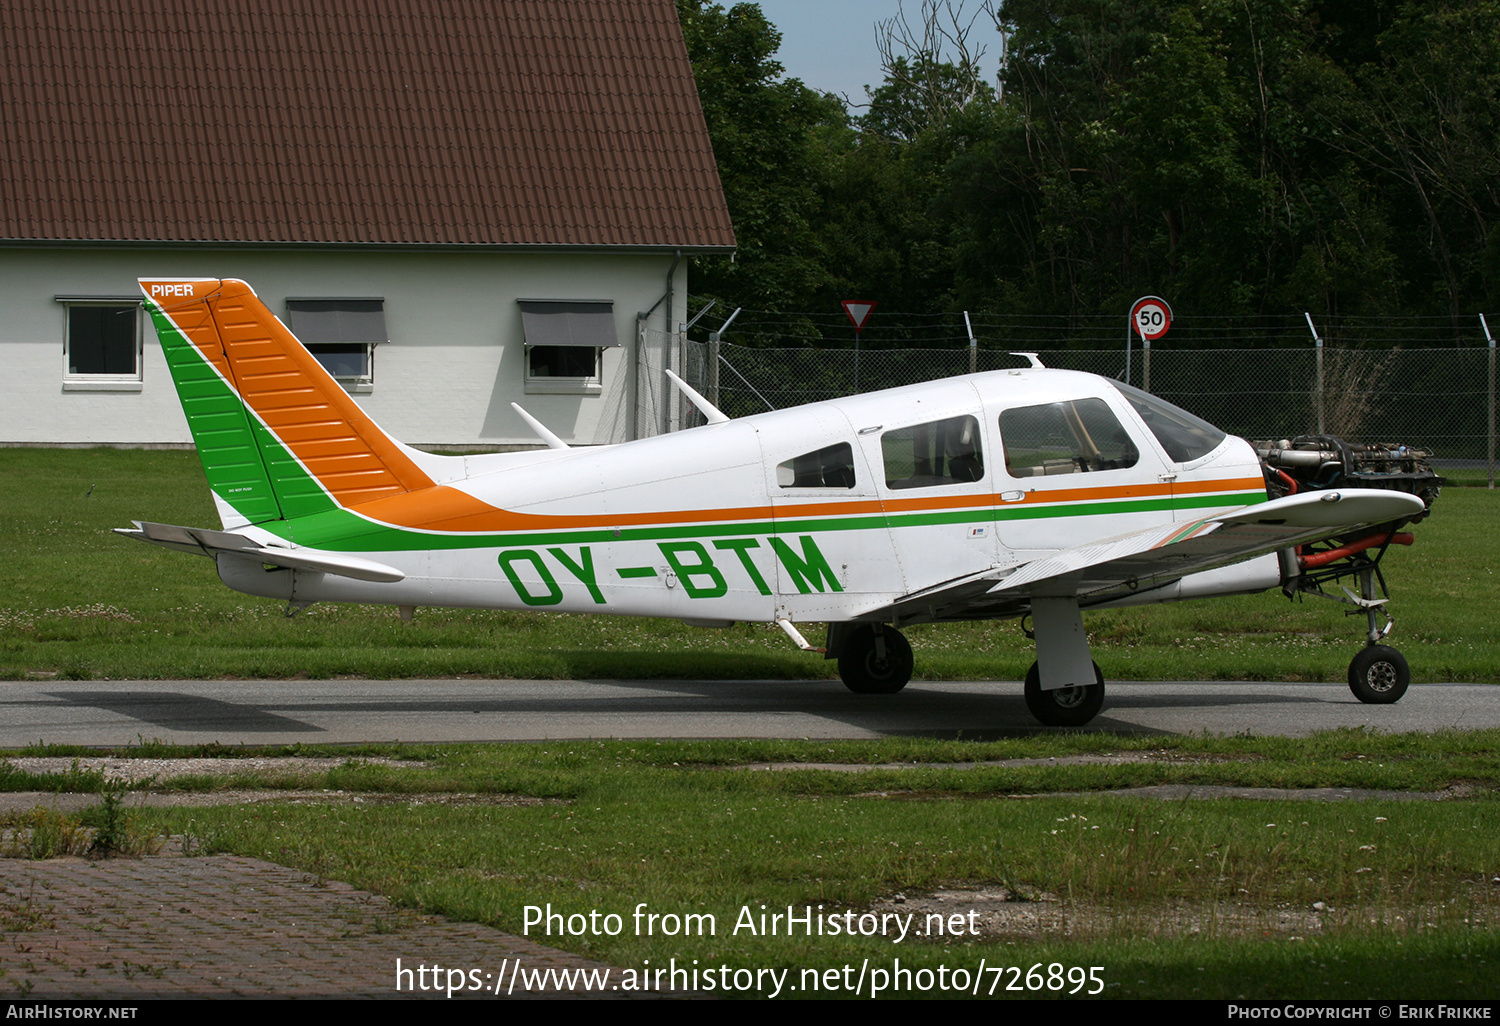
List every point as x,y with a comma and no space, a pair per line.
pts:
444,508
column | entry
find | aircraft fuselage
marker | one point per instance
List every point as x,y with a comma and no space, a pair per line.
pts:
830,511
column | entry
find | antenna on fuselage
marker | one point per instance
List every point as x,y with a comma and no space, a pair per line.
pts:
710,412
553,442
1036,361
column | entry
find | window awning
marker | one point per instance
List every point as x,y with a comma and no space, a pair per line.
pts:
568,323
337,320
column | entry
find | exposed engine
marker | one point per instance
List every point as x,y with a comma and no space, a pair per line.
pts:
1319,462
1323,461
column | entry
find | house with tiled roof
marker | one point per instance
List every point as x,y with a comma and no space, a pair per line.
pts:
456,206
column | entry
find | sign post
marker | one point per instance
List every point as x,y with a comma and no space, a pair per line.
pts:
1150,318
858,311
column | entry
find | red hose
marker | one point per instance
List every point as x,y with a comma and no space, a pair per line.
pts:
1324,558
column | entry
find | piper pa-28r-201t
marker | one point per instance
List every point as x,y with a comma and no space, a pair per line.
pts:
1016,493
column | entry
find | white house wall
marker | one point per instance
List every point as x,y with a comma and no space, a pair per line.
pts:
454,364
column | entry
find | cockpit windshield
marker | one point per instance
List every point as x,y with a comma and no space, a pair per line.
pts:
1184,436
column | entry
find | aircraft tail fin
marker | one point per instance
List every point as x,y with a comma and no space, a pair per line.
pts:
278,436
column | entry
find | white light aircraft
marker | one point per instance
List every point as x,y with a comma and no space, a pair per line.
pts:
1015,493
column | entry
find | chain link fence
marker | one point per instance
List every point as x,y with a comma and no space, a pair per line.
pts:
1411,381
660,407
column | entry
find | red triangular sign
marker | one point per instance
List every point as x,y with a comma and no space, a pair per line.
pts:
858,311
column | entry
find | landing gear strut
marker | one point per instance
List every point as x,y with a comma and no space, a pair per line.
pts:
1378,674
875,660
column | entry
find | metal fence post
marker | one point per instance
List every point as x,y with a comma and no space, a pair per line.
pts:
1318,345
1490,453
633,380
713,368
714,340
677,403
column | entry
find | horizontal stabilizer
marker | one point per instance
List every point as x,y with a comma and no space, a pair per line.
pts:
210,543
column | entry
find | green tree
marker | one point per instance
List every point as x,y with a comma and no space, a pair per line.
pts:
1237,156
1173,146
1420,115
760,127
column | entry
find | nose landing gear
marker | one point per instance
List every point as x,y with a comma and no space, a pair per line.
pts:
1378,674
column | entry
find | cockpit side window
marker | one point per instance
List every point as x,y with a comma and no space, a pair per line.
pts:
829,467
1074,437
1184,436
943,452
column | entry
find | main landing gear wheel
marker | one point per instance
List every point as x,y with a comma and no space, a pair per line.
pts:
1064,707
1379,675
875,661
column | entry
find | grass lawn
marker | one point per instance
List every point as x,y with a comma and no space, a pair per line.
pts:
1220,898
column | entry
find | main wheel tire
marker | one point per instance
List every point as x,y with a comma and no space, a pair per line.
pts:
865,671
1379,675
1064,707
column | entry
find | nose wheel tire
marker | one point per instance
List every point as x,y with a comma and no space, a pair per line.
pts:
1379,675
1072,706
875,661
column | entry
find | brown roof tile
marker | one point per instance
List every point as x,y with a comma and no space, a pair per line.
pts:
432,122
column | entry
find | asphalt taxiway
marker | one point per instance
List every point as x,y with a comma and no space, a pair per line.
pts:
272,712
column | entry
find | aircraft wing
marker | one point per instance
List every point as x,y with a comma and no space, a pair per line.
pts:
1116,567
205,542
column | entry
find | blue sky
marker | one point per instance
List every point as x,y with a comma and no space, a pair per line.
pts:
830,44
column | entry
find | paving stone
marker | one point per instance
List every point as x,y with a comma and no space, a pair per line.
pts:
233,927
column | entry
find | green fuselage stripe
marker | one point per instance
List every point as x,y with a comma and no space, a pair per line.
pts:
342,530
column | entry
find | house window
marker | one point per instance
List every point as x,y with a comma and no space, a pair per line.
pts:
102,345
562,362
341,334
565,342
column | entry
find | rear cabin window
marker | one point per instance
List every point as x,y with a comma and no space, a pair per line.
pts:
944,452
829,467
1073,437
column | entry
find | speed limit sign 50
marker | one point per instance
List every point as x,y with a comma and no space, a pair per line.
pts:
1151,317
